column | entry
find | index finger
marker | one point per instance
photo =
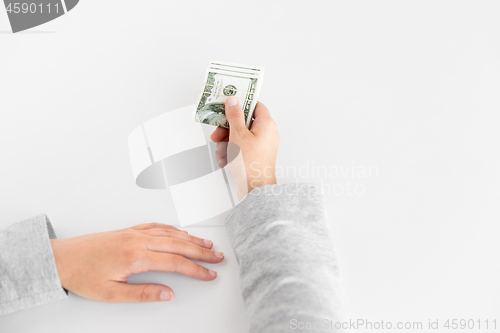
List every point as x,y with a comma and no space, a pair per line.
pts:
220,135
261,111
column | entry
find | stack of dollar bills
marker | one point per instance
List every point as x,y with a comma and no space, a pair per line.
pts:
224,80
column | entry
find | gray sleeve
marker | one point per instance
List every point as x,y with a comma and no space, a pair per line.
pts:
28,274
288,269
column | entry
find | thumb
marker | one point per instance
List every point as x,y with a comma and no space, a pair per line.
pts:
235,117
149,292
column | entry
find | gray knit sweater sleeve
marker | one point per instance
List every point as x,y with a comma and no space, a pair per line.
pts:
28,274
288,270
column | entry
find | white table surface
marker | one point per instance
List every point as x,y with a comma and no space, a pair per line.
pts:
409,89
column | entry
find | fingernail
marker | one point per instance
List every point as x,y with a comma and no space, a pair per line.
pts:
214,274
166,295
219,254
207,242
184,231
232,101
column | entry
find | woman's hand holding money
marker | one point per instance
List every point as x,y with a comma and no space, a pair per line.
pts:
259,145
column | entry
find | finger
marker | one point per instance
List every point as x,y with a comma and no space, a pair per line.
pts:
152,225
221,150
222,162
179,235
235,117
263,121
220,134
128,292
221,154
183,248
261,111
166,262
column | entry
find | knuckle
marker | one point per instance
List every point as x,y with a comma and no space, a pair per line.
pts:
153,225
174,242
110,296
147,225
177,262
128,238
132,246
206,253
197,241
167,232
201,272
135,255
145,292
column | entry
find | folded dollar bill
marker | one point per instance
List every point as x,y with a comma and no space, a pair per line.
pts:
224,79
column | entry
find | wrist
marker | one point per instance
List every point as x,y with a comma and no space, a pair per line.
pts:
256,182
57,251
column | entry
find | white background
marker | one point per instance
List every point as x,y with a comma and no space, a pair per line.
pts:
410,88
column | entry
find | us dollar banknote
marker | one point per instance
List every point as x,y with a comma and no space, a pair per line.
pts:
224,80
